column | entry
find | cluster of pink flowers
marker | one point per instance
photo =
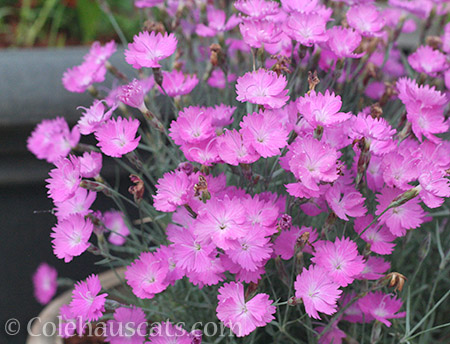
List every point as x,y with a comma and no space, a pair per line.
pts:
260,161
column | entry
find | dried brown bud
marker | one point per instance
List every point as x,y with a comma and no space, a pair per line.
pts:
217,57
138,189
150,26
313,81
302,241
434,41
376,111
397,280
282,64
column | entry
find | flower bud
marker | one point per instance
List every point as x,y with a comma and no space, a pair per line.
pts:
285,222
293,301
396,280
405,197
133,95
138,189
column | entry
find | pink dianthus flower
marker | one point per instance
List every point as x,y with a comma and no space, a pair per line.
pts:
221,221
71,237
86,302
366,20
306,28
64,179
175,83
44,283
241,316
428,60
173,190
398,219
52,139
147,276
424,108
381,307
317,290
342,42
217,22
264,133
257,9
148,49
377,236
118,136
322,109
129,326
257,33
233,151
114,221
340,259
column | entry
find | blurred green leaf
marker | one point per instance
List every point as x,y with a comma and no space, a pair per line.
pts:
89,14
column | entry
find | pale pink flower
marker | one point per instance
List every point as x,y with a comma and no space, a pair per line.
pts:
233,151
345,201
322,109
257,9
381,307
79,78
311,162
118,136
190,253
147,276
251,250
148,49
64,179
374,268
428,60
217,22
99,54
424,108
44,283
376,132
211,275
217,79
86,302
129,326
193,125
175,83
400,168
133,95
264,133
377,236
262,87
399,219
173,190
317,290
257,33
52,139
340,259
147,3
221,221
366,20
90,164
285,243
334,335
261,212
306,28
307,6
71,237
79,203
114,222
242,316
342,42
434,185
